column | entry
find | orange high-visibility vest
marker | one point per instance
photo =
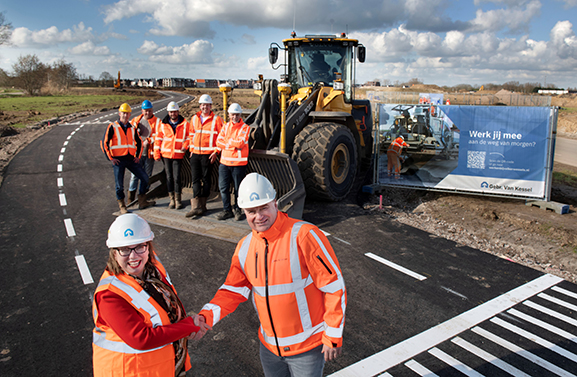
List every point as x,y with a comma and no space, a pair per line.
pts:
297,286
113,357
204,134
153,122
170,144
233,142
121,143
397,145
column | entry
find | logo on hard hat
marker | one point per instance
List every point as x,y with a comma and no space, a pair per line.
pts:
254,196
128,232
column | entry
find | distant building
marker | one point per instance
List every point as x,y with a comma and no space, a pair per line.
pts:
553,91
174,82
243,84
373,83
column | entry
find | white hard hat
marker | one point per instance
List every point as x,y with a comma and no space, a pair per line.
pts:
402,137
255,190
172,106
205,98
128,229
235,109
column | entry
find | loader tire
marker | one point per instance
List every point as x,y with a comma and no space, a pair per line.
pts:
326,154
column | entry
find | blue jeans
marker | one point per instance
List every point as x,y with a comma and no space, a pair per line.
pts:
127,162
226,175
148,165
307,364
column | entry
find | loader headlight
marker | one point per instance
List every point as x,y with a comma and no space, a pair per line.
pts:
257,86
338,85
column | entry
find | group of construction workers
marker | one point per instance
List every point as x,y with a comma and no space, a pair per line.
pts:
136,144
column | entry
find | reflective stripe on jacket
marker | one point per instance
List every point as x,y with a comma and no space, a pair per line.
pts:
118,143
204,134
397,145
233,142
113,357
153,122
171,144
297,285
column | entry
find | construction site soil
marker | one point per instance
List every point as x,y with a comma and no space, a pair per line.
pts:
538,238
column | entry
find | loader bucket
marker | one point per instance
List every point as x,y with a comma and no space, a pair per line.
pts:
285,176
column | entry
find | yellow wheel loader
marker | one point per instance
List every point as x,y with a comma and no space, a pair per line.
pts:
317,121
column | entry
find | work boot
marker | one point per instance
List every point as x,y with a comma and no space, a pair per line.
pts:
224,215
172,204
203,204
122,206
131,196
177,202
195,208
238,214
143,203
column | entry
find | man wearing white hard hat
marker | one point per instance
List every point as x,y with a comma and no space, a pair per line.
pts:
205,127
296,282
232,142
170,144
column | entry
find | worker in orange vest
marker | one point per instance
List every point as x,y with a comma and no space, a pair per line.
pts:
232,142
394,156
146,124
170,144
296,282
123,147
141,327
204,131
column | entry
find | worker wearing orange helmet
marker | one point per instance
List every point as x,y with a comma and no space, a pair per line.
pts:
394,156
123,147
296,282
204,131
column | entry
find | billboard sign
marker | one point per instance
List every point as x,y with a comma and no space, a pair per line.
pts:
494,150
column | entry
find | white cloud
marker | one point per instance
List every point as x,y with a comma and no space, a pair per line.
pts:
199,52
563,40
24,37
570,3
516,18
89,48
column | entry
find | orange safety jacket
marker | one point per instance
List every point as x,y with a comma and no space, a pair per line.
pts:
204,134
397,145
153,122
233,142
113,357
297,287
117,143
171,144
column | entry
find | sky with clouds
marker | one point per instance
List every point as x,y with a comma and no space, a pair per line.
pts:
443,42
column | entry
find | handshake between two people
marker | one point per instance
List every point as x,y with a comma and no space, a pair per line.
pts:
199,321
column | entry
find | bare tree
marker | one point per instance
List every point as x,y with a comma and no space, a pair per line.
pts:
104,77
5,29
63,74
30,74
5,79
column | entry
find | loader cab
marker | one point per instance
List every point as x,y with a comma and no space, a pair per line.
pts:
324,59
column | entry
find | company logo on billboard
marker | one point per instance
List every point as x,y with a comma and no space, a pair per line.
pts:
491,186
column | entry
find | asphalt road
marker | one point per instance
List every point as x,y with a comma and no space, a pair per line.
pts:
566,151
413,298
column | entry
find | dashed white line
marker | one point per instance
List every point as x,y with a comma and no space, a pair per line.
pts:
69,227
60,158
59,182
62,198
84,271
63,150
65,143
59,168
396,266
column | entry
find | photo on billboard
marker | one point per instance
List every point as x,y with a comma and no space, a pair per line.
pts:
486,149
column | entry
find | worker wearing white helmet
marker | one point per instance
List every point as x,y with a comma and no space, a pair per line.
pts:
232,142
205,127
394,156
136,307
304,266
171,142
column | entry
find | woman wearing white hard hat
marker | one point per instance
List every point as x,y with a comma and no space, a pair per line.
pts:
232,142
141,327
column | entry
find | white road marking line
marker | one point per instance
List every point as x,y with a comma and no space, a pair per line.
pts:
59,182
69,227
396,266
59,168
419,343
69,137
554,329
63,150
455,293
325,233
552,313
72,133
565,292
557,301
343,241
521,352
458,365
419,369
534,338
62,199
60,158
83,268
489,358
65,143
